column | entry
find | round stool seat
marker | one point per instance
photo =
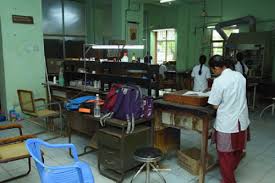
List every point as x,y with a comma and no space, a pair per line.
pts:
147,154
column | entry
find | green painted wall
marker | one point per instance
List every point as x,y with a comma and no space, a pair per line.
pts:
22,51
110,21
123,12
2,73
118,19
99,22
158,17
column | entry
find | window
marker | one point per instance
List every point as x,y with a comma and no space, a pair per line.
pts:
217,42
165,45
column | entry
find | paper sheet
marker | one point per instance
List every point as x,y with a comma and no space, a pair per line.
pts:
200,94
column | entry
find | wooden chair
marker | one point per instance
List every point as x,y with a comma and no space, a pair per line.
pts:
13,149
31,107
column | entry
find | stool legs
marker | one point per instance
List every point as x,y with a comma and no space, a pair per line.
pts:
148,166
156,170
147,172
138,172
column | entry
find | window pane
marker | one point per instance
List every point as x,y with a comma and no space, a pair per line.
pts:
171,50
228,32
216,36
171,34
217,44
166,45
161,48
161,35
217,51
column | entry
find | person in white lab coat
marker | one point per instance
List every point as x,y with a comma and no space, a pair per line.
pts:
200,75
228,96
240,65
162,70
125,57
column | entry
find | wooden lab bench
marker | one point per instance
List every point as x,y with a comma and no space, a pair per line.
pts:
186,117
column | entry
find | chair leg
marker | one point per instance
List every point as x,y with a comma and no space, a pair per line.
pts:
138,172
22,175
273,108
266,109
61,119
156,170
47,129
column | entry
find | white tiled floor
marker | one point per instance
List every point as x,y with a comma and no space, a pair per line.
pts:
257,167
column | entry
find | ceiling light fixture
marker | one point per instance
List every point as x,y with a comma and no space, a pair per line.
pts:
211,27
166,1
115,47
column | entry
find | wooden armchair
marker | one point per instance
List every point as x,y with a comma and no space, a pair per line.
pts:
13,148
31,107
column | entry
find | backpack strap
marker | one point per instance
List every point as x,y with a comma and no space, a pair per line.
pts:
103,119
132,123
128,124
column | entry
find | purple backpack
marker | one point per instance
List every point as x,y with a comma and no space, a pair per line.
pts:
128,106
129,103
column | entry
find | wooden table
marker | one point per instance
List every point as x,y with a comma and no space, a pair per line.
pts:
200,122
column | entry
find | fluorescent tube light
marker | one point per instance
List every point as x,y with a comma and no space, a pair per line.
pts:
169,29
105,47
134,47
166,1
115,47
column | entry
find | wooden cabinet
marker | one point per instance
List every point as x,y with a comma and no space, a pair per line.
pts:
167,139
116,149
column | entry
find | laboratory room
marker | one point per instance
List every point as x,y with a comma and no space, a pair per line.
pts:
137,91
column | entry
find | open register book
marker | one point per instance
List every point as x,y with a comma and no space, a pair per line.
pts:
200,94
187,97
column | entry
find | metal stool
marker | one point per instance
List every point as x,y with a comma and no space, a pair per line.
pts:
148,156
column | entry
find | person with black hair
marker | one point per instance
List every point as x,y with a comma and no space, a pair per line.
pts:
148,58
200,75
228,96
240,65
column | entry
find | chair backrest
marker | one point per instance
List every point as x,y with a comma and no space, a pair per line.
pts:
54,174
34,148
26,101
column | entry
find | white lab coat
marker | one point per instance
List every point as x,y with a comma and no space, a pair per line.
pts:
238,67
200,81
124,58
162,70
229,94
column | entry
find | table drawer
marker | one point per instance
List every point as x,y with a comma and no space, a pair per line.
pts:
111,159
109,140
